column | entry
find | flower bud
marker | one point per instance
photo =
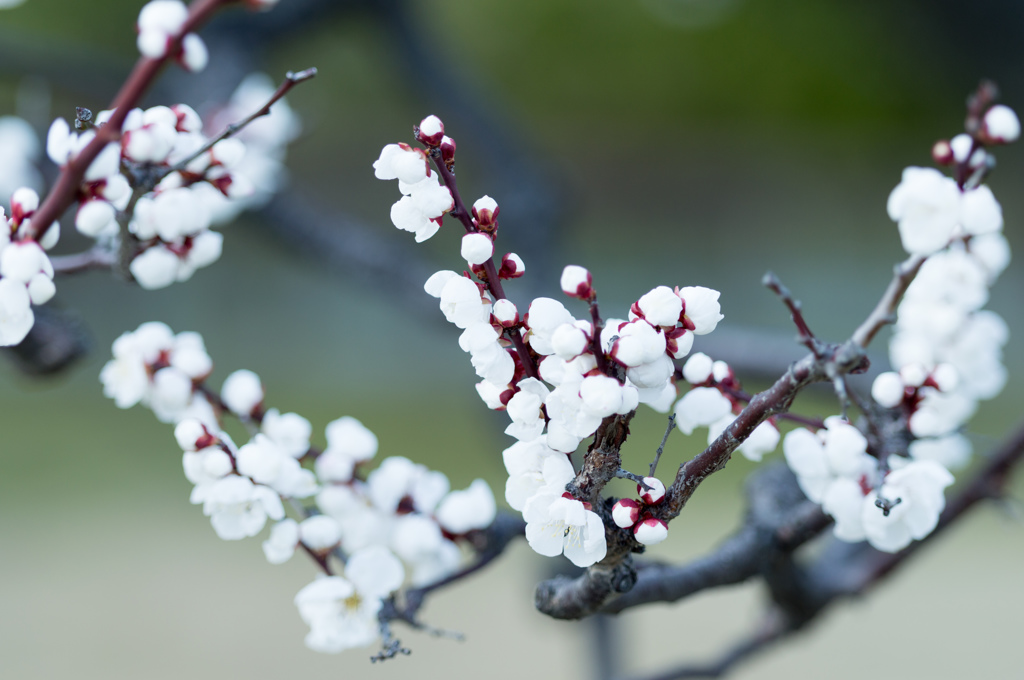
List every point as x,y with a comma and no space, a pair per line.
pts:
477,248
485,212
888,389
697,369
430,131
512,266
653,495
625,512
942,152
320,532
961,146
505,313
576,282
242,392
191,435
448,150
650,531
1001,125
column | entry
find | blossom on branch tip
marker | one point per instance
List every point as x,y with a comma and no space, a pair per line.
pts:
430,131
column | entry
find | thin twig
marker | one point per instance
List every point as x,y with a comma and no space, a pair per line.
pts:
806,337
664,440
291,79
884,312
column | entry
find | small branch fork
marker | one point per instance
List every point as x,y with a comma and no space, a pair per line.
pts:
614,576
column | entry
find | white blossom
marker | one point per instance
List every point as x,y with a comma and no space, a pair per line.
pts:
477,248
471,508
237,508
699,407
280,546
242,392
1001,124
320,532
557,523
918,493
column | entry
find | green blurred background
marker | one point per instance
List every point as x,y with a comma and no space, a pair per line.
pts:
688,142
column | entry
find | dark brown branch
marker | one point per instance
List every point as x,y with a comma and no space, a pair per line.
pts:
575,598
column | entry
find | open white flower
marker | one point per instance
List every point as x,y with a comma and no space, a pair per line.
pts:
342,611
556,523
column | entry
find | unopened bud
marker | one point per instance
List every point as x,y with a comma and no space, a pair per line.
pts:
485,211
448,151
512,266
1001,125
650,531
888,389
505,313
430,131
961,146
942,152
576,282
655,494
477,248
625,513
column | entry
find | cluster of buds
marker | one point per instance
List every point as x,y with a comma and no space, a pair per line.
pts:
635,514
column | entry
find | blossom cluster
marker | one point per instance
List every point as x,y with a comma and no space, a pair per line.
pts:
168,181
26,273
398,523
946,353
557,377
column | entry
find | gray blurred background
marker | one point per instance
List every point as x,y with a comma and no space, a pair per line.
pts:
678,142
